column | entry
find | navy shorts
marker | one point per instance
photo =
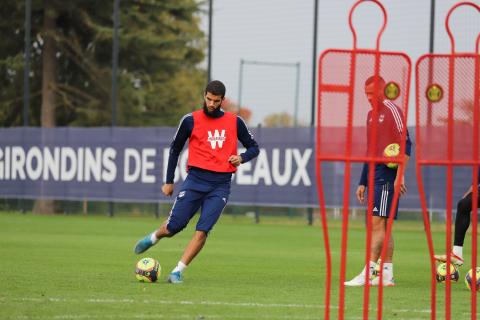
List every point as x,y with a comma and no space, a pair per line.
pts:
383,199
195,193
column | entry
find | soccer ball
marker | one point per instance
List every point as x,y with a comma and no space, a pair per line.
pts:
147,270
442,272
469,279
390,151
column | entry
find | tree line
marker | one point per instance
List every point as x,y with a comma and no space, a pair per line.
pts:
161,47
160,78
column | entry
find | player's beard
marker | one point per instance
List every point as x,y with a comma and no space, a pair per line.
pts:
214,114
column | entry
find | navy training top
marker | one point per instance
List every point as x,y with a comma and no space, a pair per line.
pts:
183,134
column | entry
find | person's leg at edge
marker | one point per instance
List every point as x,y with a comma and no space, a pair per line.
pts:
462,223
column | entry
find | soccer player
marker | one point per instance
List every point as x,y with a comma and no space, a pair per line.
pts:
390,125
212,159
462,222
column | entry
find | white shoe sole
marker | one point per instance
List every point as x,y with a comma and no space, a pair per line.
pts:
353,284
384,284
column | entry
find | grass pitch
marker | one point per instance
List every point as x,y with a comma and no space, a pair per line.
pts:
81,267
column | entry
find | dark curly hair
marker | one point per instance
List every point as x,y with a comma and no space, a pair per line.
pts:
216,87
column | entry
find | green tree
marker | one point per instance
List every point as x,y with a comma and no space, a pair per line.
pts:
159,78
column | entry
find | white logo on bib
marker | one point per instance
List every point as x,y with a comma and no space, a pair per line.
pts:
216,138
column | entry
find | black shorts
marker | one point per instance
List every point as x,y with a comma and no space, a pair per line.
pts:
383,199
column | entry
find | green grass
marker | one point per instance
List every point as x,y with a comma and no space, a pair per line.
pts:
81,267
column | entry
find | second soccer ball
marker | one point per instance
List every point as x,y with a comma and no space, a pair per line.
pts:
469,279
441,275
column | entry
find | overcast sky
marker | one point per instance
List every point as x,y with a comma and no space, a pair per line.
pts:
281,31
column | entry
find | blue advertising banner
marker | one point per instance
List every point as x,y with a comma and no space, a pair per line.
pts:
129,164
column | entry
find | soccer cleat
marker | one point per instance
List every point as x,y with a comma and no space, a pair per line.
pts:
175,277
456,260
143,244
357,281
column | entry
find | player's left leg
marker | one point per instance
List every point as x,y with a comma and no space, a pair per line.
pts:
212,207
193,248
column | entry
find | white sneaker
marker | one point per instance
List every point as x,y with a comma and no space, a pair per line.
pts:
358,281
387,280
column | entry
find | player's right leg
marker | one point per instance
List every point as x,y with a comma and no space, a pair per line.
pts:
150,239
186,204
